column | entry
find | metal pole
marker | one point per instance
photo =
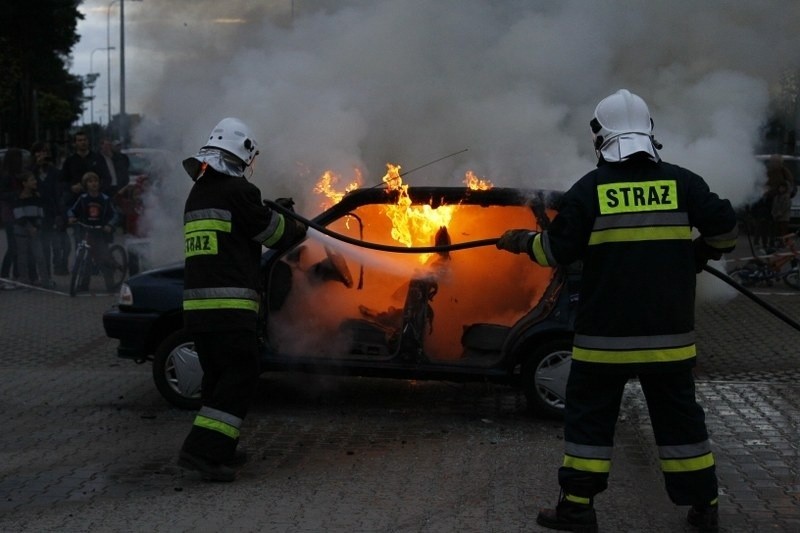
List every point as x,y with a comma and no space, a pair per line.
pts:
91,78
108,59
91,87
123,117
123,126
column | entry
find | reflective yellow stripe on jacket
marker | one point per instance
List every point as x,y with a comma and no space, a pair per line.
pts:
200,230
273,232
649,226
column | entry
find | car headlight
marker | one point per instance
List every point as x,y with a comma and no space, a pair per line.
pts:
125,295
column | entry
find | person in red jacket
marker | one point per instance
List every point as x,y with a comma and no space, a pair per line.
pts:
225,226
630,222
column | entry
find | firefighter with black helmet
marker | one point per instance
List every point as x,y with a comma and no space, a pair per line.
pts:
630,222
225,227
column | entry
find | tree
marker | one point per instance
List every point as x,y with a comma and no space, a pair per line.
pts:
38,95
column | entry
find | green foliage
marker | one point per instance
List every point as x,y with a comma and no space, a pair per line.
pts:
56,112
36,39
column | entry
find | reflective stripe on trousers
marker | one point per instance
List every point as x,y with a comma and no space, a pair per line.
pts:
230,377
220,298
593,403
639,349
219,421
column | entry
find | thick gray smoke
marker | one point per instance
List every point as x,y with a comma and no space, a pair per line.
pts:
356,84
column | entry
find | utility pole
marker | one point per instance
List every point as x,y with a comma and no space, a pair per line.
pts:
123,119
108,59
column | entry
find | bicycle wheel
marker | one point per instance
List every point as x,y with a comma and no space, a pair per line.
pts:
118,259
744,276
792,278
79,270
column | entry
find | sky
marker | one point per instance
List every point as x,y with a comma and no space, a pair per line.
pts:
360,83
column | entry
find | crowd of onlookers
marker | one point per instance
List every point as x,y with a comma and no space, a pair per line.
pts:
46,204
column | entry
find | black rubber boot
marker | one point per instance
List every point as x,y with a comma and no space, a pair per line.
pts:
569,516
209,470
704,517
239,459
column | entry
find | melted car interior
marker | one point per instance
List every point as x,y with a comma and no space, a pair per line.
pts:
334,300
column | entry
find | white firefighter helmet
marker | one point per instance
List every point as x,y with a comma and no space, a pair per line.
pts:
622,127
230,150
233,136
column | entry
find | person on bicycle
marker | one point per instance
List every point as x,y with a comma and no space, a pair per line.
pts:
97,217
225,226
630,221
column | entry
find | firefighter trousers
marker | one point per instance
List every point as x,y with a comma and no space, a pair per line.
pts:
230,376
678,421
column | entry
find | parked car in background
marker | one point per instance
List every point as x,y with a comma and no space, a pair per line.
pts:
27,158
332,308
155,163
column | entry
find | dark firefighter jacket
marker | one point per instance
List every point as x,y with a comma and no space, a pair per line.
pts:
631,225
225,225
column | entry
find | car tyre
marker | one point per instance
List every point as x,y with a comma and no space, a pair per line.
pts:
544,378
118,259
177,372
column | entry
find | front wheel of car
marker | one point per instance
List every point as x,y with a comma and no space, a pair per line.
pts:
544,377
177,372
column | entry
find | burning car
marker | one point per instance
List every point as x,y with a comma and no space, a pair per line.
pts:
329,307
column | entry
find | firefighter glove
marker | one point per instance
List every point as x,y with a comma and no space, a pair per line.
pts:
286,203
516,241
299,230
702,253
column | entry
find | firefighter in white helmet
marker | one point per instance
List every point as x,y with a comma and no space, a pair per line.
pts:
630,222
225,226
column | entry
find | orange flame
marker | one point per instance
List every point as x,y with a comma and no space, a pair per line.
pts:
412,225
475,183
326,187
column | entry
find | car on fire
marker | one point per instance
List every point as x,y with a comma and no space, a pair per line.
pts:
328,307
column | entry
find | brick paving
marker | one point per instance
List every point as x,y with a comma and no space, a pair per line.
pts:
89,445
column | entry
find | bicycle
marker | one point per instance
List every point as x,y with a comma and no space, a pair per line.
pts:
770,268
83,265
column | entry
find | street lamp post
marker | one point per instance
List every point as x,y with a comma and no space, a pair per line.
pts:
92,78
108,58
123,117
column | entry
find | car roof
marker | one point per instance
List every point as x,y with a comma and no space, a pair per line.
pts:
786,157
26,154
142,150
144,159
442,195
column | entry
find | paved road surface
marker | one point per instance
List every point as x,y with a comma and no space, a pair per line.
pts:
88,444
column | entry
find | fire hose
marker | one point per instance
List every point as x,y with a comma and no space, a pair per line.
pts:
493,241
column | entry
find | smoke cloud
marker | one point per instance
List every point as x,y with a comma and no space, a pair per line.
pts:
358,83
